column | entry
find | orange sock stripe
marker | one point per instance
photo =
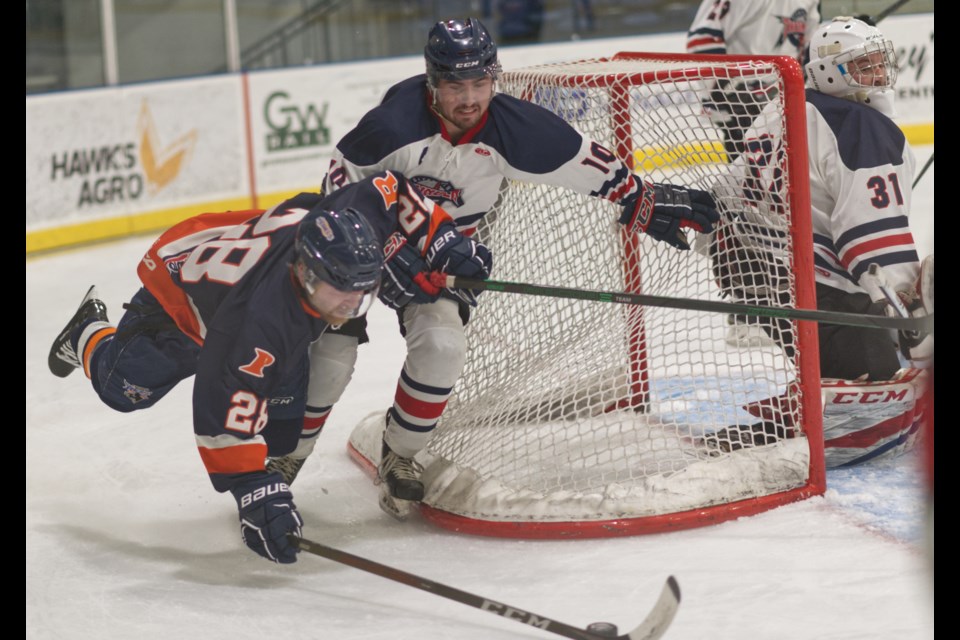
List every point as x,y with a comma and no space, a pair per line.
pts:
92,343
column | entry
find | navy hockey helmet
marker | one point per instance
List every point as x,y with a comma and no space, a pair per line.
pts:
460,50
339,248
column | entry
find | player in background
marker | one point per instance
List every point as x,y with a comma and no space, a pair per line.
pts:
743,27
861,176
236,298
747,27
458,140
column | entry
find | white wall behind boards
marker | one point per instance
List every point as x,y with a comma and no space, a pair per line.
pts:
110,162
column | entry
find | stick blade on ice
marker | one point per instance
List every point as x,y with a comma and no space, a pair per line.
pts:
658,620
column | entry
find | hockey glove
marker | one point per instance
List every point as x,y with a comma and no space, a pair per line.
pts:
910,301
918,345
267,515
458,255
662,211
405,275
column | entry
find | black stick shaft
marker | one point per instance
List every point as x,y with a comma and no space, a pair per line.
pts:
922,171
886,12
923,323
451,593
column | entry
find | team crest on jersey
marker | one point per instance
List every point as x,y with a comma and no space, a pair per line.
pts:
439,190
135,393
794,29
261,360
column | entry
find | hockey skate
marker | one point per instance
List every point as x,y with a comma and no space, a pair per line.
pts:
63,358
400,485
287,466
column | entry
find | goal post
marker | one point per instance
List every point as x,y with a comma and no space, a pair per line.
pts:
583,419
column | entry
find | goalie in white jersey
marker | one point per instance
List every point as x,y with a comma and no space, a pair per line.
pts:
747,27
458,140
861,175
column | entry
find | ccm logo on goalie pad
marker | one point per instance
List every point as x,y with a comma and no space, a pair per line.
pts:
262,492
869,397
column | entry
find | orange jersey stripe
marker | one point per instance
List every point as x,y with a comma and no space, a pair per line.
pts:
241,458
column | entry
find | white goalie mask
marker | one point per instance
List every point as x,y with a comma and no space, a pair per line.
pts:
851,59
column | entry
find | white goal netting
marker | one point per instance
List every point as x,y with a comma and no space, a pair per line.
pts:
593,418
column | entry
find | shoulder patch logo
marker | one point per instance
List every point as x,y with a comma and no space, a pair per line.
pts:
261,361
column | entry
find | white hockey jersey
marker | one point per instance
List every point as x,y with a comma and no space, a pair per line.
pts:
773,27
861,177
861,174
515,139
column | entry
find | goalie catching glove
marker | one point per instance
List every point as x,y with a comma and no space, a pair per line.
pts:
918,300
405,275
458,255
906,301
663,211
267,515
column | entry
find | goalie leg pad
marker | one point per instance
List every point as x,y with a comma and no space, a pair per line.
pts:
867,420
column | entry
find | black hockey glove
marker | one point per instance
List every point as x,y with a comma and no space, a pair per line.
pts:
405,275
267,515
458,255
662,211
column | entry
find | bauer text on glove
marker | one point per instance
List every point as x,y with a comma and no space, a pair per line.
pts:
267,515
458,255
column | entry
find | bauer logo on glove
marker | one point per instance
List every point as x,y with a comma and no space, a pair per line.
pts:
458,255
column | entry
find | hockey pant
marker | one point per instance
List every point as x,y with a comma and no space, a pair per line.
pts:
846,353
436,352
148,356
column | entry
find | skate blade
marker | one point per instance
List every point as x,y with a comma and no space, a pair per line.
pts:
396,508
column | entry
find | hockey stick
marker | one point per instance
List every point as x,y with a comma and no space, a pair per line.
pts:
886,12
652,627
922,171
921,323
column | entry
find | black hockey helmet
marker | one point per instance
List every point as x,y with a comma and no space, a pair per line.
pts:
460,50
340,248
